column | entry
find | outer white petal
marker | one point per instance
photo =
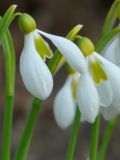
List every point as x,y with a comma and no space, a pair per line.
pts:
112,51
70,51
110,112
113,73
35,73
105,93
64,106
87,98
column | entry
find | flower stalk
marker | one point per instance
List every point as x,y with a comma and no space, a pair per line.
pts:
94,139
22,151
106,138
74,135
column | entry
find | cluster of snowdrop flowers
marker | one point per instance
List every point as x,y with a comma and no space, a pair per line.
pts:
98,89
97,78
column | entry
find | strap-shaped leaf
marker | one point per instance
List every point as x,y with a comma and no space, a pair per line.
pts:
6,20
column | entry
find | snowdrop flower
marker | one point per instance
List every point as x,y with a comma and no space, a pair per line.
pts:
35,73
110,82
112,53
65,102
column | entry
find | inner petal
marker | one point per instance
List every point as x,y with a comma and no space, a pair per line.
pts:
42,47
96,69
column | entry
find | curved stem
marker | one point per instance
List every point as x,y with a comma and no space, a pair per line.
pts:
94,139
106,138
22,150
73,138
9,54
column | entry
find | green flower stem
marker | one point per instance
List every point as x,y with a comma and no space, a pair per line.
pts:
106,138
22,150
9,54
94,139
110,18
74,135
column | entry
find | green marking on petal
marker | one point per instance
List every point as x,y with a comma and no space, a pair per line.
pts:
42,47
97,71
74,88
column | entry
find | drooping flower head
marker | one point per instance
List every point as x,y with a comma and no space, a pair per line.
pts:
106,78
112,53
35,73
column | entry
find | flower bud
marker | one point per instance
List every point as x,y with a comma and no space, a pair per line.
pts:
86,46
27,23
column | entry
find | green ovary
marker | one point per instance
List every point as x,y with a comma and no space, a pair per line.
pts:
97,71
42,48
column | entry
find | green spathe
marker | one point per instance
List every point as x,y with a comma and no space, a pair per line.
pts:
27,23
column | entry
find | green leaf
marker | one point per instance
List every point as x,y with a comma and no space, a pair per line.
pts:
110,18
9,54
6,20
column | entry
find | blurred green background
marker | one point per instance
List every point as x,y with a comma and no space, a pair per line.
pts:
57,17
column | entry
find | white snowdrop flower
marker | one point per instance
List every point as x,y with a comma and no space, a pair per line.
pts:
65,102
35,73
106,76
112,53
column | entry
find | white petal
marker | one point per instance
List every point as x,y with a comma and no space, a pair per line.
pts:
113,73
109,112
70,51
105,93
87,98
35,73
64,106
112,51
